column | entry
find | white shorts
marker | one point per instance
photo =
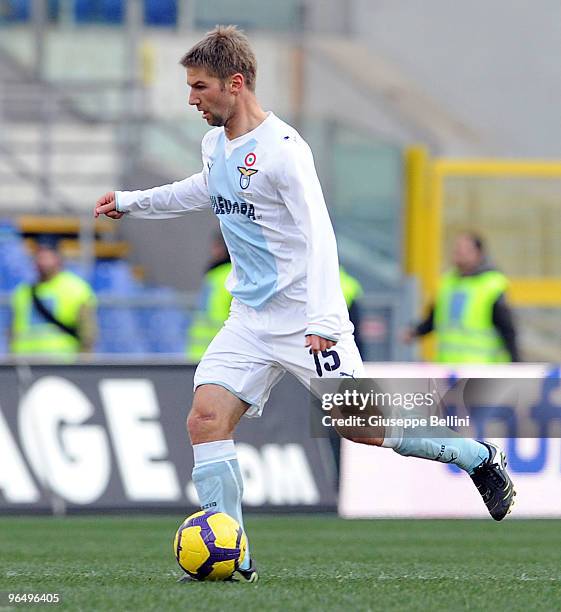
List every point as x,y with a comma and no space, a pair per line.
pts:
254,349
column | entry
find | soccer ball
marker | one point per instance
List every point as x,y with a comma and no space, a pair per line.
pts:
209,545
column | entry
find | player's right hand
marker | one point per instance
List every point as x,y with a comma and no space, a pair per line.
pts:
107,205
318,344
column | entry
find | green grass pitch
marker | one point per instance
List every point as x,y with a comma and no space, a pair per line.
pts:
306,563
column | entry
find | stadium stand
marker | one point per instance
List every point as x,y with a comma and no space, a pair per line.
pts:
164,13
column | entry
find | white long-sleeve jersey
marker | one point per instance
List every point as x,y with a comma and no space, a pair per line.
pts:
264,189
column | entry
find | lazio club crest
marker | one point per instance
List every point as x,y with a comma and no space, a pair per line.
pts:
247,173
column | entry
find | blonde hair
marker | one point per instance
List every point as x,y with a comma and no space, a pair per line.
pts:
223,52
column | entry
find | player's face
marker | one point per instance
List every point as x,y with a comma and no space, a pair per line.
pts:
209,95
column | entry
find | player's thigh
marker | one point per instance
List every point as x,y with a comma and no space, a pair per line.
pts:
238,361
342,362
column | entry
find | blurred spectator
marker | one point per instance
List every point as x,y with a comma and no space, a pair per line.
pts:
470,316
214,301
56,314
352,291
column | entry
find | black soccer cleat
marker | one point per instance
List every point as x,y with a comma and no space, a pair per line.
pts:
494,483
248,575
251,574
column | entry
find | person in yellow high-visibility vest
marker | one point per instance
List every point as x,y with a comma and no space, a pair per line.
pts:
470,316
352,291
56,315
214,301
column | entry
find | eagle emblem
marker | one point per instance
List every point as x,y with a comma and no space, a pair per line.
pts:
245,176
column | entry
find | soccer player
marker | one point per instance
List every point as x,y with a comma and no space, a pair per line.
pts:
288,312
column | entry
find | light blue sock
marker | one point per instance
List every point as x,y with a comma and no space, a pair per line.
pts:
448,447
463,452
218,480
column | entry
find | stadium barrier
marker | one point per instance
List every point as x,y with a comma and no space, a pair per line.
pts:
106,437
379,483
111,437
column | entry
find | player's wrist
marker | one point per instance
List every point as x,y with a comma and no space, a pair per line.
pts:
322,334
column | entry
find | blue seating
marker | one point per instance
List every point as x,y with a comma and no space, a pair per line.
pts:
166,330
4,323
17,10
104,11
114,277
160,12
156,12
119,331
164,326
120,343
16,265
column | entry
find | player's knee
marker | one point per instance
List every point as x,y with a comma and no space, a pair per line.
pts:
206,424
203,425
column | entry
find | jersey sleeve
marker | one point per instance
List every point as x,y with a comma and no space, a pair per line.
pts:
301,192
168,201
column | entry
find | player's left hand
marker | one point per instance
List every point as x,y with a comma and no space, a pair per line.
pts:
318,344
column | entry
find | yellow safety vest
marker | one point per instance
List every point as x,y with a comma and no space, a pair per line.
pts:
463,318
214,310
63,295
352,289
